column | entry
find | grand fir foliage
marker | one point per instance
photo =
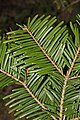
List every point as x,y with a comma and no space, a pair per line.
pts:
43,59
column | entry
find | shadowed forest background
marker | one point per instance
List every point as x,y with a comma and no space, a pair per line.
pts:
17,11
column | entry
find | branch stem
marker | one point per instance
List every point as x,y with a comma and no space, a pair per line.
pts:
65,84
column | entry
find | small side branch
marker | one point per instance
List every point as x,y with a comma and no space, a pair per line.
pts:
28,90
48,57
24,85
75,77
72,65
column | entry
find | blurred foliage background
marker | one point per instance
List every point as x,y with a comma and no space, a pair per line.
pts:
17,11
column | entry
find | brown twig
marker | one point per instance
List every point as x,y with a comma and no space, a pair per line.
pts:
75,77
65,83
68,74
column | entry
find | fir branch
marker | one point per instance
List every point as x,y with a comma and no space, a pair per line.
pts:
28,90
24,85
48,57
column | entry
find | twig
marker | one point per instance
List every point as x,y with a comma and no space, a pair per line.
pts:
65,83
75,77
72,65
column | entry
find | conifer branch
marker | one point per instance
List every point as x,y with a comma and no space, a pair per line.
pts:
48,57
24,85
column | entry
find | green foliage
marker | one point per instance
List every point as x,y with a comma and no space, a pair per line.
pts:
35,57
78,19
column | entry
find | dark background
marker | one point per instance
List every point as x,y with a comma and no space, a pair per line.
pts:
18,11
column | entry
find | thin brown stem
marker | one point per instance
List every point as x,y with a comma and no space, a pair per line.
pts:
24,85
75,77
62,99
65,84
72,65
48,57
